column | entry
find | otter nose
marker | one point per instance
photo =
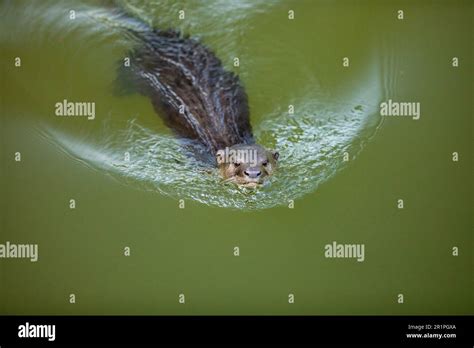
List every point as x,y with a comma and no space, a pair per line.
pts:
252,172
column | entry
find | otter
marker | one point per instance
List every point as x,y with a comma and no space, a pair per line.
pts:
198,100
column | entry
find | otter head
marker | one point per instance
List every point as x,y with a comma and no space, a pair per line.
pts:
246,165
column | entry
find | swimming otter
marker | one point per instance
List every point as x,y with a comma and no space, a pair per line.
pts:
199,100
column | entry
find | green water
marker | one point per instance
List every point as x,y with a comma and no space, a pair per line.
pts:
190,251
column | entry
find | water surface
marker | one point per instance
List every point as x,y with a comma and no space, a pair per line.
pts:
127,172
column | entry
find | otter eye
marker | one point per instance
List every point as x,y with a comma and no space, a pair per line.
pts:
236,164
265,163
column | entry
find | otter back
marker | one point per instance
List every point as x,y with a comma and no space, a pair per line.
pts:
190,89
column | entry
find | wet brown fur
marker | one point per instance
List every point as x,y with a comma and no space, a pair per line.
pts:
195,96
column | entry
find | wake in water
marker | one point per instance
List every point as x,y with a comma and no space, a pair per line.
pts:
312,142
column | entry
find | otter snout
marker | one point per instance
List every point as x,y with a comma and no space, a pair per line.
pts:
246,165
253,173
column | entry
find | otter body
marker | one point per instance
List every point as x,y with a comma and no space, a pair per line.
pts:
199,100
